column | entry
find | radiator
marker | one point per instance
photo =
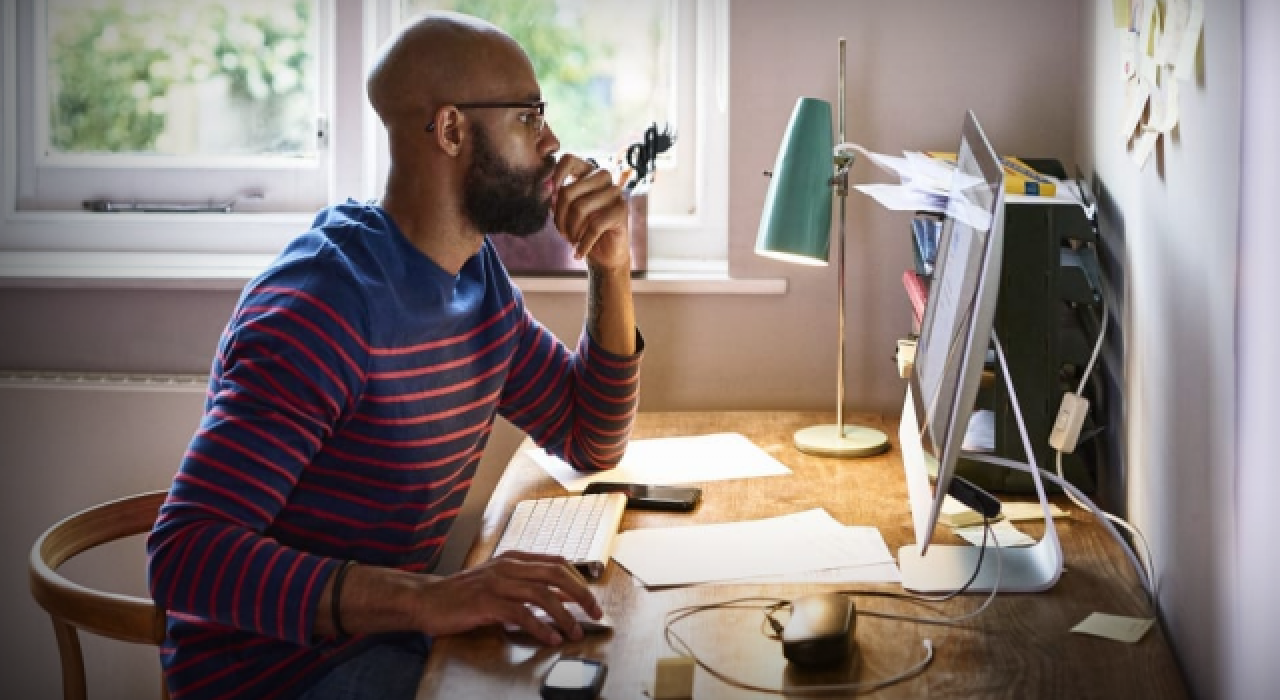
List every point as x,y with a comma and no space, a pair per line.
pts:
68,441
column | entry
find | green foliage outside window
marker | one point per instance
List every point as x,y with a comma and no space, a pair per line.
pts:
564,59
112,70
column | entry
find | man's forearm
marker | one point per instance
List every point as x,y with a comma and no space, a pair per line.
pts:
374,599
611,315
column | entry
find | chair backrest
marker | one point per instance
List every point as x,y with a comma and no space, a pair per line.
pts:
75,607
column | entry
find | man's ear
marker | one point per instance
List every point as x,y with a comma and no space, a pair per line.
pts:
448,130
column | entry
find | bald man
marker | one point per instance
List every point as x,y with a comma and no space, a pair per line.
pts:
356,384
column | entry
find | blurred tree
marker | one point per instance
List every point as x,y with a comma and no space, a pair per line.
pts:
113,69
564,59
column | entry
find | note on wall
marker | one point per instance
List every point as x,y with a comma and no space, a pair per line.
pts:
1184,62
1120,10
1158,49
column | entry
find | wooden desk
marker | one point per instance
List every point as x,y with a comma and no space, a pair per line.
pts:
1020,647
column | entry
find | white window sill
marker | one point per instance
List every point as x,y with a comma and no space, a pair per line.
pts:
230,272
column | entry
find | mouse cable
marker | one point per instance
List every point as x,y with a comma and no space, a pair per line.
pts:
772,605
987,532
673,638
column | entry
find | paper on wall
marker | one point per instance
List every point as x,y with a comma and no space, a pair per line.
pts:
1136,95
1144,146
1184,64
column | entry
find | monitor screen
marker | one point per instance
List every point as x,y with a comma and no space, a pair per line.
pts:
955,332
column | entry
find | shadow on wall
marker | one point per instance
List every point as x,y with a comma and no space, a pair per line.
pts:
1109,375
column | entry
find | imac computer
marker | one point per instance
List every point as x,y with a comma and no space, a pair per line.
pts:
955,337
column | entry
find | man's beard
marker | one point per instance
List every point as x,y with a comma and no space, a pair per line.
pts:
499,198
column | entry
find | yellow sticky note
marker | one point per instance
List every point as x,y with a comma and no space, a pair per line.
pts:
1117,627
1120,8
1029,511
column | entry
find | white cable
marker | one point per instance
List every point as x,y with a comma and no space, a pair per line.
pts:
1149,563
1071,489
674,616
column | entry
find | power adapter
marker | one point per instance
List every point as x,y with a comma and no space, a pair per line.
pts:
1066,427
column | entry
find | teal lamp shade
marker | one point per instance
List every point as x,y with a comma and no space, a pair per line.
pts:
796,223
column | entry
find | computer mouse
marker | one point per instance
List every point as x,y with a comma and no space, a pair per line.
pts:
820,631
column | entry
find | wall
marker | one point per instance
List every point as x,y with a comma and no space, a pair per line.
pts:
914,67
1253,672
1177,221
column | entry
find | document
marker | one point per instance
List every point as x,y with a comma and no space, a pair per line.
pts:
675,460
1005,533
790,544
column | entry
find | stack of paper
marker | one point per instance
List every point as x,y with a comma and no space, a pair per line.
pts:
802,547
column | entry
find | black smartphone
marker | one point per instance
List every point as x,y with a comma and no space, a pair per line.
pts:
650,497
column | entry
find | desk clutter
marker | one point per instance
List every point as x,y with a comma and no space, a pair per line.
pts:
1049,317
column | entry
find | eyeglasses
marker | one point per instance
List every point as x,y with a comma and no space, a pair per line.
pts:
535,118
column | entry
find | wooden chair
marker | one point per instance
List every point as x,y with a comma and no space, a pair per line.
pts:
74,607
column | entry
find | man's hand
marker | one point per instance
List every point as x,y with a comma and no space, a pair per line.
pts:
591,213
496,592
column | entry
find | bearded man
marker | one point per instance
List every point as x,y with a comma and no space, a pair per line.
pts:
355,386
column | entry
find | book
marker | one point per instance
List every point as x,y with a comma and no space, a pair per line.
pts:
918,292
1019,178
924,231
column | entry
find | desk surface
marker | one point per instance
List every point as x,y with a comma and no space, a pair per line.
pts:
1021,647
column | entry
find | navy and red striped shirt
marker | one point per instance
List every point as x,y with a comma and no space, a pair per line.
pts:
350,400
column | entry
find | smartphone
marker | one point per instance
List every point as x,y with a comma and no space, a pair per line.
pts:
649,497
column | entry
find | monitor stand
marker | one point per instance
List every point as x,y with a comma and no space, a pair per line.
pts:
946,568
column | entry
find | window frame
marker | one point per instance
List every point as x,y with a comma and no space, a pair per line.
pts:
357,158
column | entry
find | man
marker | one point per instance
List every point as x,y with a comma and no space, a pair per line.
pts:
355,387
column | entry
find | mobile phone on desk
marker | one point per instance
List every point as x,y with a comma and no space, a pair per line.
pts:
651,497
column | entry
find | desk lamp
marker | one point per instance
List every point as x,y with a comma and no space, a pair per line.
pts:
796,227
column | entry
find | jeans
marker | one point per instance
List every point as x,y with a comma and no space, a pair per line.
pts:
386,671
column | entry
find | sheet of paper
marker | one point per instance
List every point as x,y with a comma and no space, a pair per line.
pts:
904,198
1184,64
1144,146
806,541
1029,511
1176,14
1149,28
1164,101
871,573
1006,535
1136,94
892,164
676,460
1117,627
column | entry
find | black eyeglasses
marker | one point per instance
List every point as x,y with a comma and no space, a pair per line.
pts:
535,118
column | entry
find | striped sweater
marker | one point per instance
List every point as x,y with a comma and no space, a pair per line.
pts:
350,400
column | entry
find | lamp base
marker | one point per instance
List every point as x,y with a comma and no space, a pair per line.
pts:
827,441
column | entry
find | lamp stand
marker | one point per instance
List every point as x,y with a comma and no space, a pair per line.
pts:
841,440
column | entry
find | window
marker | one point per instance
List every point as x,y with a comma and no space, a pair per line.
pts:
261,103
610,68
159,101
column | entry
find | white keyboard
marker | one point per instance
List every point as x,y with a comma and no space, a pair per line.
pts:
579,528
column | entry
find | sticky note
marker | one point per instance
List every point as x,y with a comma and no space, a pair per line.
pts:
1120,13
1029,511
673,678
1117,627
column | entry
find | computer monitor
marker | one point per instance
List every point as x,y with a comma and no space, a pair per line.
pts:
955,336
